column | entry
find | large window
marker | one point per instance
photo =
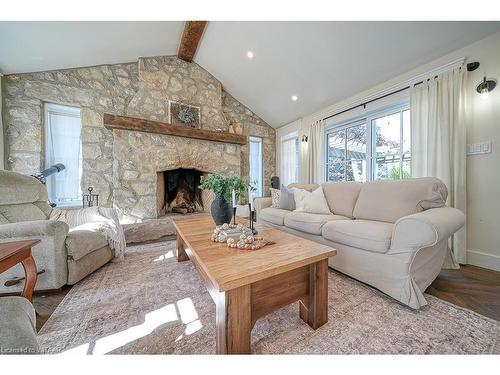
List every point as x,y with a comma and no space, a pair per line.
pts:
63,145
391,144
290,158
346,153
256,172
371,148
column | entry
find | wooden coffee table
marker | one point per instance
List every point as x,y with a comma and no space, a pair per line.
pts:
12,253
248,284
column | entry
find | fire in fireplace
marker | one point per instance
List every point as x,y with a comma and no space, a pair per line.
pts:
177,191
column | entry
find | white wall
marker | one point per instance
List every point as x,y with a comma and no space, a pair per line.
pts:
483,171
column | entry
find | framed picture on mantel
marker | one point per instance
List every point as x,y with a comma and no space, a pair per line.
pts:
184,114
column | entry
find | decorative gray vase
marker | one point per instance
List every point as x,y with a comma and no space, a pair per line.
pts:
222,211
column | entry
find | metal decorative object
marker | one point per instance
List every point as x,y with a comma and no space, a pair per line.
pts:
90,199
184,114
41,176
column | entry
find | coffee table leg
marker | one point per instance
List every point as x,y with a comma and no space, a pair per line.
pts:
181,253
234,321
314,310
31,277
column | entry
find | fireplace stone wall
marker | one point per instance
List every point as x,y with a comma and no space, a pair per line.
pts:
122,165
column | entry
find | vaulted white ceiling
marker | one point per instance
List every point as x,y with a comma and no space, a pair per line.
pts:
320,62
39,46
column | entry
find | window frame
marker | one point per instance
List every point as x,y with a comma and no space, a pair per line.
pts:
343,126
69,111
367,119
259,140
387,112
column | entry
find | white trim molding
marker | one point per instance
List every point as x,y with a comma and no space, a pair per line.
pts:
480,259
328,111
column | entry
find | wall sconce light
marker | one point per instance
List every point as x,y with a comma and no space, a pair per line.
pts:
485,87
305,138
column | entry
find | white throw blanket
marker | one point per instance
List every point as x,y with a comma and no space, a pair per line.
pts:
105,219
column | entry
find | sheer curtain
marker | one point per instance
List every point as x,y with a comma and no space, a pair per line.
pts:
439,142
63,145
315,152
289,161
256,173
2,147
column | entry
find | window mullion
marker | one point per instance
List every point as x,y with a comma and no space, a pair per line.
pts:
345,154
401,144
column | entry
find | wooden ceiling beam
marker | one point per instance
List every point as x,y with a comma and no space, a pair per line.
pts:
193,31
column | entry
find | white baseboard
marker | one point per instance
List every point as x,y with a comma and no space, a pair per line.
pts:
477,258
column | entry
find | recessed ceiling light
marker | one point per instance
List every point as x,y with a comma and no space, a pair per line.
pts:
250,54
295,98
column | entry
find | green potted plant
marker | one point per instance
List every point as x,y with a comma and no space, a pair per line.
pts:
222,205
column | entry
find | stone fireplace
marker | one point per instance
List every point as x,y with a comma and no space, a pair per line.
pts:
123,166
178,191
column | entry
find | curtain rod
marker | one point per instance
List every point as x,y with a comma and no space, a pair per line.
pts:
371,101
470,67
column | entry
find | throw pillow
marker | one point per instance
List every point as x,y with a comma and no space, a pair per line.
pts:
275,198
314,203
287,199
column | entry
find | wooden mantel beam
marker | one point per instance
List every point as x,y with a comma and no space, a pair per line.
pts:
158,127
193,30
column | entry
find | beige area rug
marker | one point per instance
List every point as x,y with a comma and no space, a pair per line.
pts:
151,304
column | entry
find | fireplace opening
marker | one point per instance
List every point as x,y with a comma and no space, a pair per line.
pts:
178,191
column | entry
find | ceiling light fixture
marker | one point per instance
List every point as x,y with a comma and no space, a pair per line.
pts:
250,54
295,98
485,87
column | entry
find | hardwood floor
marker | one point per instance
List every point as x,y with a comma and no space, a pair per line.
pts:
474,288
46,303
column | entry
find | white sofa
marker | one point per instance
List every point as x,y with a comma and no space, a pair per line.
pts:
392,235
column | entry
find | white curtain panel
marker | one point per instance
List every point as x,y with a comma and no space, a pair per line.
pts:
2,146
289,161
438,138
315,152
63,146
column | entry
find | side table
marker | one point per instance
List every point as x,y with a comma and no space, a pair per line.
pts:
12,253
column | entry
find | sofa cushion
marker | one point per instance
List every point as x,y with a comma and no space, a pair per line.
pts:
342,196
16,188
287,200
275,197
309,223
390,200
17,326
84,239
15,213
273,215
311,202
367,235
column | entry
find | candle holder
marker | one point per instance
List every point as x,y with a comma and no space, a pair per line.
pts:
252,217
90,199
234,215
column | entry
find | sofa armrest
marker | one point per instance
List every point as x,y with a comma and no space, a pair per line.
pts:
50,254
35,229
424,229
261,203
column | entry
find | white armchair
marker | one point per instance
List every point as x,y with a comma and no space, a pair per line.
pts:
66,253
